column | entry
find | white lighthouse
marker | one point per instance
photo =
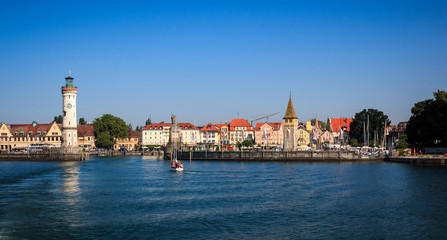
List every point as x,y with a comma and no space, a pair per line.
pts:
69,122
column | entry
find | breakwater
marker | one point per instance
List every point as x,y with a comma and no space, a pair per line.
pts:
295,156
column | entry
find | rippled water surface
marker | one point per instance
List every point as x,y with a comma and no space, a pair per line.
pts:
139,198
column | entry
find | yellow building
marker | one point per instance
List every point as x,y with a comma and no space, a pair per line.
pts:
130,143
21,136
303,137
223,133
86,136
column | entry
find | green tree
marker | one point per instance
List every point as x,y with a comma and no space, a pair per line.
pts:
58,119
402,143
428,122
321,123
377,120
107,128
82,121
247,143
148,121
354,143
129,126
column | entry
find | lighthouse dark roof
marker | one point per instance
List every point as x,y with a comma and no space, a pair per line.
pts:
290,112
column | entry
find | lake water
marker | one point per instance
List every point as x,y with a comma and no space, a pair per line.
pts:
139,198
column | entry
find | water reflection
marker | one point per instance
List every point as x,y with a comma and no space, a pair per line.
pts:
70,178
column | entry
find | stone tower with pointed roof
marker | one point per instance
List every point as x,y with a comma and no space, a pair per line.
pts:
290,123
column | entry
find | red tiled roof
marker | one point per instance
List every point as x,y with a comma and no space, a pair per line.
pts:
183,126
86,130
186,126
134,134
340,122
26,128
275,125
158,125
240,123
212,128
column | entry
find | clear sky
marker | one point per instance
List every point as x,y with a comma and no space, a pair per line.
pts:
212,61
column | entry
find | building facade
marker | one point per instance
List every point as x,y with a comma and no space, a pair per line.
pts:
130,143
240,130
209,134
269,134
156,134
86,136
304,137
223,133
21,136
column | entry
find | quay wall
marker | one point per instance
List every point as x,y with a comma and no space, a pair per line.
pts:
54,154
418,160
303,156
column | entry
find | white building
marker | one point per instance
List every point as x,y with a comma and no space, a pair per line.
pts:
158,134
209,134
190,134
240,130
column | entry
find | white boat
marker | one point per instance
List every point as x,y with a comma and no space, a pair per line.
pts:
176,166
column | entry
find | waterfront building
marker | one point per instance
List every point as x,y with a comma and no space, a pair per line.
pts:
303,136
209,134
326,138
223,133
69,119
21,136
240,130
334,125
86,136
158,134
130,143
290,128
269,134
190,134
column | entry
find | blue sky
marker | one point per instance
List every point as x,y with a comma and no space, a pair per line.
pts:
212,61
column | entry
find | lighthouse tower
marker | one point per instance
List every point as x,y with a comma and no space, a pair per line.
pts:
69,122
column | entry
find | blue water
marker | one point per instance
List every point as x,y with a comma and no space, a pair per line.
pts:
139,198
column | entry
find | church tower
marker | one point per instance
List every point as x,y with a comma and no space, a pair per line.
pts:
69,122
290,123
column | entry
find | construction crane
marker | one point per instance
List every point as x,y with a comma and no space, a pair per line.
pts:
254,120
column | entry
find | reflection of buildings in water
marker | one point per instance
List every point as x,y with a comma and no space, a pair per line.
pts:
71,180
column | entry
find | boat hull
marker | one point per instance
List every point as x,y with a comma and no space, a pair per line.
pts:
176,169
